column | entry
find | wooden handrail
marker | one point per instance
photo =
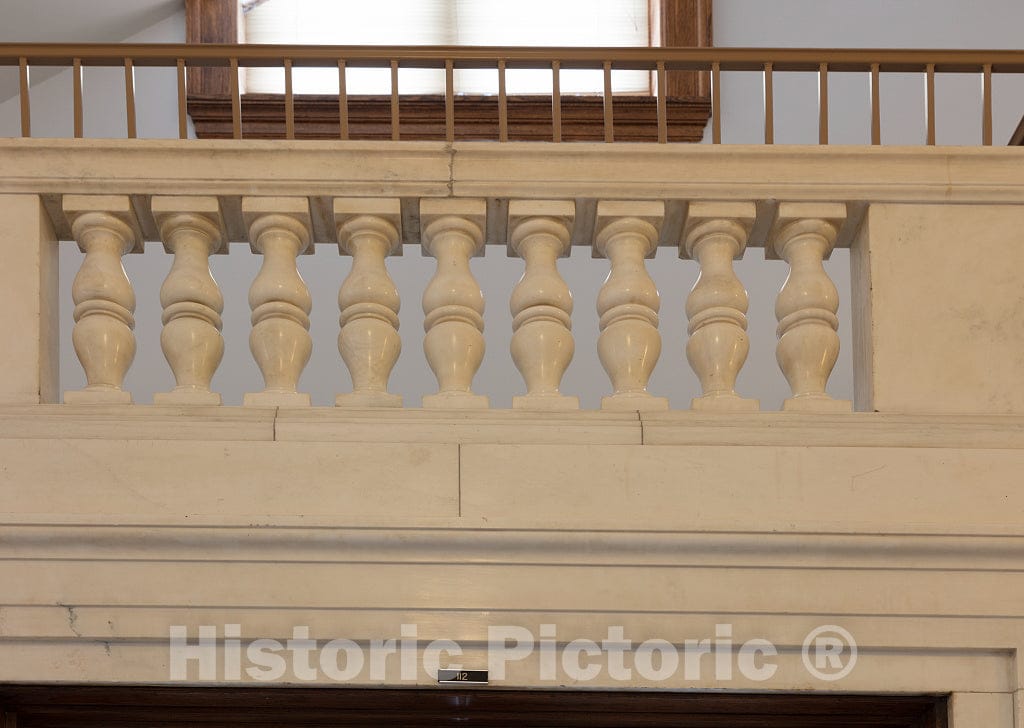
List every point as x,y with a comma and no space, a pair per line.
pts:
675,59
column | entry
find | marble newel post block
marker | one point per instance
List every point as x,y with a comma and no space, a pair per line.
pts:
541,303
279,230
29,299
369,231
452,231
106,228
804,235
715,234
192,229
628,303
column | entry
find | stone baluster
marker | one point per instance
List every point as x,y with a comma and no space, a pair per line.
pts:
452,232
368,230
804,235
192,229
715,234
106,228
541,303
628,303
279,229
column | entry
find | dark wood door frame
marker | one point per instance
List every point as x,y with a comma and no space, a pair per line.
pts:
67,706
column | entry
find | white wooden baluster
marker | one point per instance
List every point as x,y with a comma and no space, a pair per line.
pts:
368,230
280,302
628,303
106,228
715,234
452,232
192,229
541,303
804,235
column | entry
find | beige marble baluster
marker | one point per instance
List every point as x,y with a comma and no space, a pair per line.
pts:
106,228
628,303
279,229
804,235
192,229
541,303
452,232
368,230
715,234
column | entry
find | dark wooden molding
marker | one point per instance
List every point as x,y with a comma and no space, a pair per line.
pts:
210,21
687,24
71,706
476,117
684,23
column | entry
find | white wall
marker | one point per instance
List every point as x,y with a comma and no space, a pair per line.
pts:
877,23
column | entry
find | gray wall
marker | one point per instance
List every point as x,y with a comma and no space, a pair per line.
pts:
823,23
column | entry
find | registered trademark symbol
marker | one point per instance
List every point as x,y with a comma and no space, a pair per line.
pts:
829,653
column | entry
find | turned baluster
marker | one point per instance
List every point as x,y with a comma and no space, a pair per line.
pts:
368,230
804,235
716,234
628,303
279,299
541,303
192,229
452,232
105,228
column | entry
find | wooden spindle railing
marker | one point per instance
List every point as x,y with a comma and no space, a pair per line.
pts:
717,62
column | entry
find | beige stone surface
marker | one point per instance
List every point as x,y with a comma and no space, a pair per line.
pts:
140,478
981,709
228,168
942,330
837,430
906,527
28,300
795,488
163,422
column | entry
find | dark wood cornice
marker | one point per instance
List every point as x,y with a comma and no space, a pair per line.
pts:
476,117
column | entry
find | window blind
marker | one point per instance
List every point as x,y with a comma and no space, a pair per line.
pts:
447,22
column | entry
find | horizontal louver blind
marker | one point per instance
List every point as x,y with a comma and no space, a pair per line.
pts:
447,22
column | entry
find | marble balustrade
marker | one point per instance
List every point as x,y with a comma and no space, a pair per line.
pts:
453,231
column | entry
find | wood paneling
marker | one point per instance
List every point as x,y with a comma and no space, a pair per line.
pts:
476,117
210,21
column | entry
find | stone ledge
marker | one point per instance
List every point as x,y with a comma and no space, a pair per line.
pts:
530,170
508,426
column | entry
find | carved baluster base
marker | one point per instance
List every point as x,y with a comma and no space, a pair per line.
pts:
456,400
187,396
545,402
724,402
821,403
97,394
276,399
368,399
634,402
